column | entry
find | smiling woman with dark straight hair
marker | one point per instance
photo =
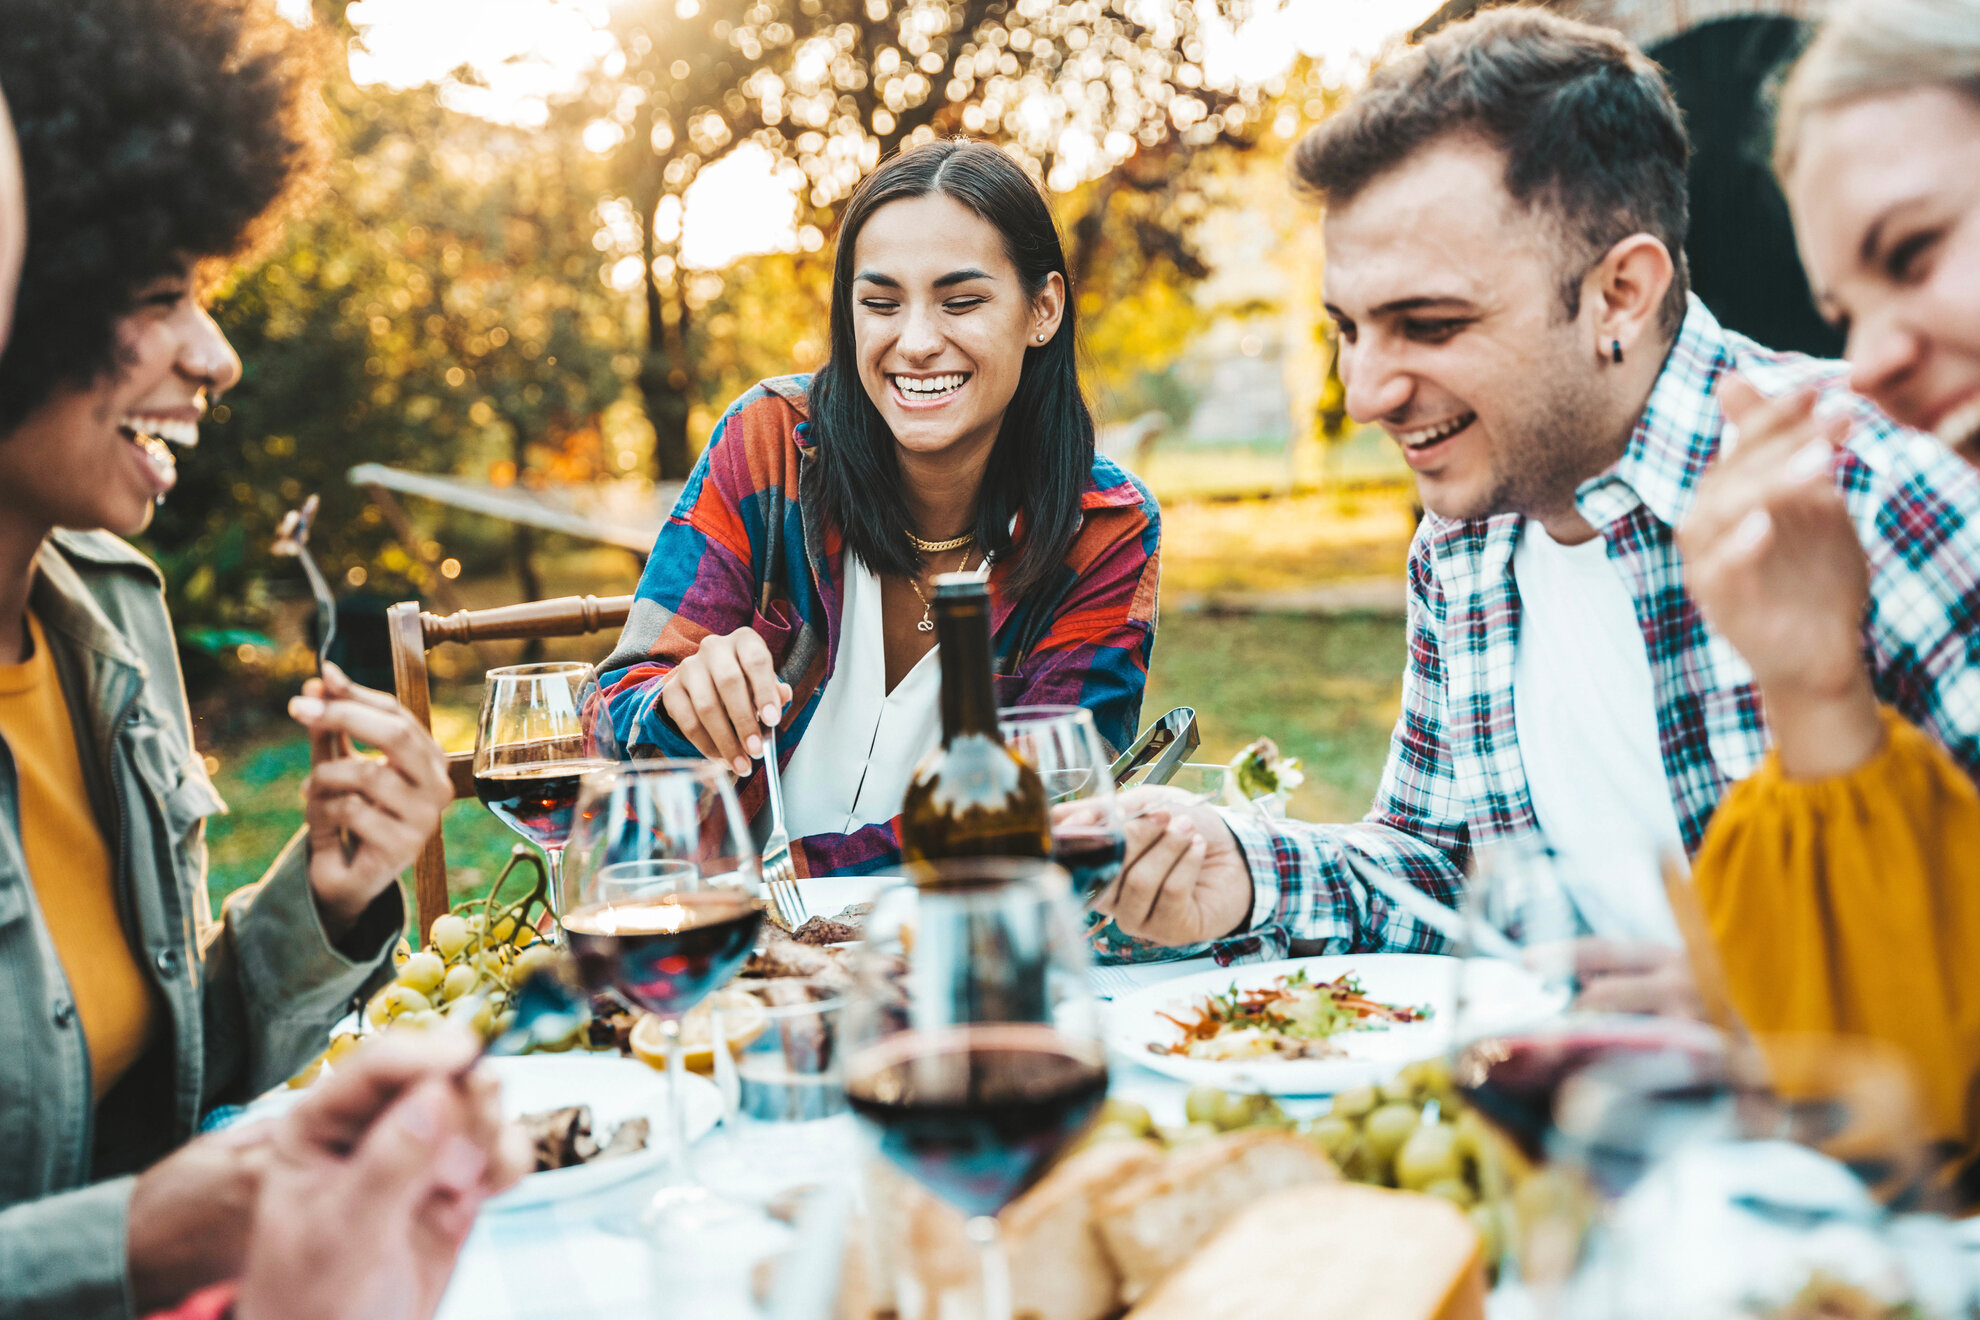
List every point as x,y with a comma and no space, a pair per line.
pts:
947,433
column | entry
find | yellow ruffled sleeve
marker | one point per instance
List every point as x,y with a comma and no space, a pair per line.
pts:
1852,905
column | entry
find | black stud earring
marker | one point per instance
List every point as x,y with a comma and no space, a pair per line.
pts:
1615,351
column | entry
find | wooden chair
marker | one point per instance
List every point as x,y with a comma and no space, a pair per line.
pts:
413,633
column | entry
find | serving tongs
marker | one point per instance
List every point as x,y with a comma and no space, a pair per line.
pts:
292,542
1163,746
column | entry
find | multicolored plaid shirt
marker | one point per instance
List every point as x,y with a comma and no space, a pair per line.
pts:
1454,779
748,545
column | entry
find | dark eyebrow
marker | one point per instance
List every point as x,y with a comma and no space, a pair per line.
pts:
961,277
1423,303
875,277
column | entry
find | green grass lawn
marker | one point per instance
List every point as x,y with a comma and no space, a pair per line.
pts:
1326,689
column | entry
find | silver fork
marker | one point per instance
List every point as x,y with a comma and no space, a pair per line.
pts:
779,876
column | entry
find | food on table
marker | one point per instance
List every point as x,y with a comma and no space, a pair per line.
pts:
1292,1017
1330,1251
823,931
779,955
563,1138
743,1020
1060,1269
1152,1221
1260,771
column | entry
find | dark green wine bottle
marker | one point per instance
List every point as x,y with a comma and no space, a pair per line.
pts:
971,796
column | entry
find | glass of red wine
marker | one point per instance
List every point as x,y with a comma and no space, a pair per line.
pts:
974,1055
534,742
1062,744
664,904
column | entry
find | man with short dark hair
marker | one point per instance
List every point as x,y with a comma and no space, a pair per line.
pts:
1505,214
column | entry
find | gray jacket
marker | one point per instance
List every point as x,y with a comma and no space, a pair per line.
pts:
246,1000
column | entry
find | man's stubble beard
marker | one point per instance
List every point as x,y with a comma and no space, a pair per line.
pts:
1550,451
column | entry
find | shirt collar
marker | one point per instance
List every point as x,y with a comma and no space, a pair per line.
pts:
1676,434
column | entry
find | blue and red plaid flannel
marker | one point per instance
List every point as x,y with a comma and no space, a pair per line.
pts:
748,545
1454,779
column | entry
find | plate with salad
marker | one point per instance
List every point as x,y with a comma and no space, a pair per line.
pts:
1313,1026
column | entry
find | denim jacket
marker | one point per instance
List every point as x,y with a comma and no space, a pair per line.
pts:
244,1001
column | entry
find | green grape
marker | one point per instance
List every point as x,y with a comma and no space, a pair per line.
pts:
449,935
1202,1104
1105,1131
393,1002
1237,1110
1123,1113
1396,1091
1356,1103
423,972
418,1021
460,979
1455,1190
1334,1135
1388,1128
474,1010
1429,1155
528,960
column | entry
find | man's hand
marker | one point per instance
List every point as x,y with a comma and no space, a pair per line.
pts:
189,1215
722,696
387,807
1621,976
374,1182
1773,561
1185,880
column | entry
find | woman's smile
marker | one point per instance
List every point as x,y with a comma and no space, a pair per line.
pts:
925,391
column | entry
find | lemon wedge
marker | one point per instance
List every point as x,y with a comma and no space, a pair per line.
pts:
743,1020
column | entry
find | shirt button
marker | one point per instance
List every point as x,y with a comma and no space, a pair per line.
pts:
65,1013
167,962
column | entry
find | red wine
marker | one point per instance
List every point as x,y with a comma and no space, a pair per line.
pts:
1092,857
975,1114
665,954
1515,1082
535,799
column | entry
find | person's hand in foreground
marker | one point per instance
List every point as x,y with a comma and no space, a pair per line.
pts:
373,1182
387,806
723,695
1628,976
1773,561
1184,881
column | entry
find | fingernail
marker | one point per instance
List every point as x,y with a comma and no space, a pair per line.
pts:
1182,825
305,708
772,713
420,1115
755,745
1812,458
1752,529
742,765
460,1164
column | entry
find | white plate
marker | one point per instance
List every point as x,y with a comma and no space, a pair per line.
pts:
1504,994
829,895
616,1088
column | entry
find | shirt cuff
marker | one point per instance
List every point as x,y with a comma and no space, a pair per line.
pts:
1254,838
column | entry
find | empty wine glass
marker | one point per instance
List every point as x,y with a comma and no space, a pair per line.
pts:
665,900
974,1055
533,743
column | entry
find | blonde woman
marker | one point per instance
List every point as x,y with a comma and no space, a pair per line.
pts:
1842,881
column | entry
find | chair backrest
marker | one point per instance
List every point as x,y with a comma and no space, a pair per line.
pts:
414,633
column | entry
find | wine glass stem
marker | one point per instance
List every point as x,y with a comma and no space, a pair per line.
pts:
553,865
677,1170
993,1267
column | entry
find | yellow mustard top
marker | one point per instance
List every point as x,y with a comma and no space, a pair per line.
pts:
69,866
1852,905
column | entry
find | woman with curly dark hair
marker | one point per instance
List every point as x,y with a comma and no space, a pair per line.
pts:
155,135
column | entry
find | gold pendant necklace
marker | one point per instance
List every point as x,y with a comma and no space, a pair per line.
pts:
927,624
937,547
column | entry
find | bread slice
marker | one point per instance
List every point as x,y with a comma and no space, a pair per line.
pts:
1153,1222
1338,1251
1059,1270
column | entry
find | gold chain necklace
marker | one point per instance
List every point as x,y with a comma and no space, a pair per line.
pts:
927,624
937,547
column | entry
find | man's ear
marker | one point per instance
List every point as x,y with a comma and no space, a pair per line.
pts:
1626,291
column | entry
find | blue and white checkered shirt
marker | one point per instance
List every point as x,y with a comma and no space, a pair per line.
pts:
1454,779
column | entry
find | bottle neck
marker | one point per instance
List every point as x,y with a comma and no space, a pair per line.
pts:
969,700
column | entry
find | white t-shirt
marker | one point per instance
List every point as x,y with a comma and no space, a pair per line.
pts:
860,749
1585,714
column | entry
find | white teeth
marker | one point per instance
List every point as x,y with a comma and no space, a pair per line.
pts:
927,387
1430,435
172,430
1961,427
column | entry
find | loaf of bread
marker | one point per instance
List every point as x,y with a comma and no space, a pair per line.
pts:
1059,1269
1333,1251
1152,1222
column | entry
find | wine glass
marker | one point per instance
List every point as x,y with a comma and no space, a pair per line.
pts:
533,743
665,901
1063,746
974,1055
